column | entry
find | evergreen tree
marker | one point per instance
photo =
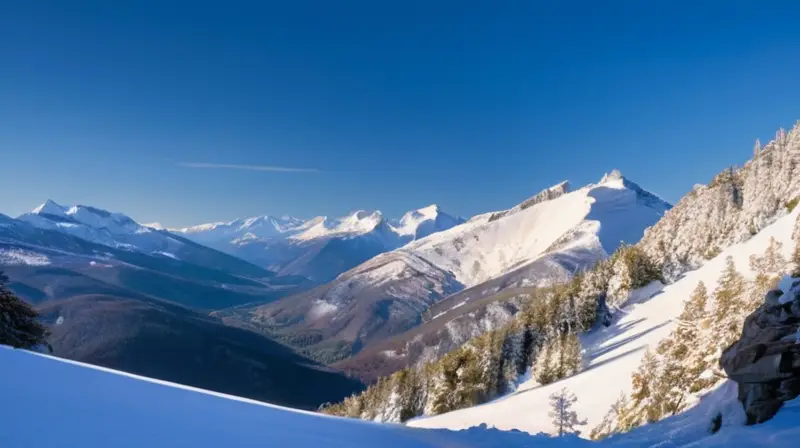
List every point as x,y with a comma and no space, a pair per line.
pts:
672,387
694,310
729,306
545,371
612,422
565,420
18,325
645,383
571,348
768,267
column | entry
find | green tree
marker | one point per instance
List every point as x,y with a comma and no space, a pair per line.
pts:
19,326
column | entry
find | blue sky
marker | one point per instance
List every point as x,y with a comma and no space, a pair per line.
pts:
376,105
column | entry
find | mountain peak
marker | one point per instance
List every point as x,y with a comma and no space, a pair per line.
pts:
50,207
432,209
615,174
429,212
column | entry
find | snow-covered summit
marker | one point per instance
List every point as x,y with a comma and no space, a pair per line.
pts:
425,221
50,207
86,222
356,223
612,176
263,226
119,231
593,220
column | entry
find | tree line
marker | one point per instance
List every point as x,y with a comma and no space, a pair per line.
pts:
542,338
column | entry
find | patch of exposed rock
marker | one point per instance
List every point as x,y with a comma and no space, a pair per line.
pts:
765,361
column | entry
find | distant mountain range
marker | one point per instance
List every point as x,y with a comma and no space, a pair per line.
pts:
320,248
126,296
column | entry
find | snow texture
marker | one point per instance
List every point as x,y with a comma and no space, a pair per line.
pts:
93,407
17,257
588,224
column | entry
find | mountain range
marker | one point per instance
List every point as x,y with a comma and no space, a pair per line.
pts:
320,248
541,241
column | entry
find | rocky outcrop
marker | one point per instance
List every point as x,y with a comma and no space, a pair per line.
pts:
765,361
548,194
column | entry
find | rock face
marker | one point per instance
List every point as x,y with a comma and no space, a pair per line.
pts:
765,361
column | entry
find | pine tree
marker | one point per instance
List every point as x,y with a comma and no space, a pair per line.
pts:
672,388
694,310
613,421
571,348
729,305
545,370
768,267
692,322
18,325
645,384
565,420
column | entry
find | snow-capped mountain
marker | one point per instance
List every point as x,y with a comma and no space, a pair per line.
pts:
320,248
543,240
425,221
122,233
221,234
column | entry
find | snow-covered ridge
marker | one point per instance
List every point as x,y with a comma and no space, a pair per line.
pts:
115,223
88,223
121,232
413,224
603,215
320,248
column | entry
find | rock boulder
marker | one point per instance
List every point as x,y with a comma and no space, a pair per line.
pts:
765,361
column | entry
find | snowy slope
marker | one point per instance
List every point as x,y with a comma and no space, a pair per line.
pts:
92,407
612,353
595,218
60,403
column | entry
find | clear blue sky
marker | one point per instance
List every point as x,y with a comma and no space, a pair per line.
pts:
390,105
